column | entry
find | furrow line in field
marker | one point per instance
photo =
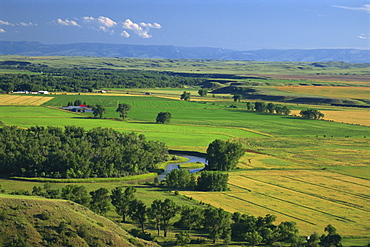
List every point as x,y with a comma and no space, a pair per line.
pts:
343,203
305,207
273,210
326,187
349,181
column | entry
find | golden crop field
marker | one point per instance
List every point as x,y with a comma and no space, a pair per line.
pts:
328,91
6,99
348,115
311,198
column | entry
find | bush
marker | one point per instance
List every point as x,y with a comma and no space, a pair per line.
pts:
139,234
44,215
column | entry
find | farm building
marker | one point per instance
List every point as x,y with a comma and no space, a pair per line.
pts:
80,108
43,92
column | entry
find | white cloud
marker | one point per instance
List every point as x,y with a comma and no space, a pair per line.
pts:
17,24
6,23
67,22
141,29
27,24
2,30
365,7
128,24
106,21
150,25
87,18
125,34
363,36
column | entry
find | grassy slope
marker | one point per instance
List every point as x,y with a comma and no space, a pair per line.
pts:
20,212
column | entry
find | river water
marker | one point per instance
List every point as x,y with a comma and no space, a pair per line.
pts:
172,166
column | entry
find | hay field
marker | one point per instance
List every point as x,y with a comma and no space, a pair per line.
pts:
6,99
328,91
312,198
347,115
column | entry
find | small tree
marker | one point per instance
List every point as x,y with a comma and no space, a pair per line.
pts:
98,110
253,238
162,212
249,106
163,117
260,106
217,222
332,239
190,217
185,96
182,238
138,212
178,178
76,194
121,200
123,109
203,92
271,107
100,201
311,114
285,110
212,181
237,97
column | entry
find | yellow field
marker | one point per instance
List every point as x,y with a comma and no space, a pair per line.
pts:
328,91
348,115
311,198
6,99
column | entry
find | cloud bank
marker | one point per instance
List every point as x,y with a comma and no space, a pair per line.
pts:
108,25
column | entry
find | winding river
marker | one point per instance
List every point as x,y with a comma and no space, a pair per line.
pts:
172,166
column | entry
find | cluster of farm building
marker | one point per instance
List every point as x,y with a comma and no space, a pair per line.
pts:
27,92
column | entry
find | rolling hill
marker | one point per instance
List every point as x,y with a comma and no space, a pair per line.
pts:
178,52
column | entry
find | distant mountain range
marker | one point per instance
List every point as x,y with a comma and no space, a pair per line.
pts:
179,52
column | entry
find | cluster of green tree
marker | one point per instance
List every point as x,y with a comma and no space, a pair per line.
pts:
87,80
223,155
256,230
74,152
215,221
268,108
206,181
311,114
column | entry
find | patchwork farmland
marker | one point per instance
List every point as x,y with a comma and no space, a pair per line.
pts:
313,172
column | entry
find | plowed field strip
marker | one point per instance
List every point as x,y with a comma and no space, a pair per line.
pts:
302,206
330,188
270,209
343,203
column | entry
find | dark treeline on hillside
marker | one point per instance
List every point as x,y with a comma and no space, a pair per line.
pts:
87,80
76,153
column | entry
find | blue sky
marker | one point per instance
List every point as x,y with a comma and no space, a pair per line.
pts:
229,24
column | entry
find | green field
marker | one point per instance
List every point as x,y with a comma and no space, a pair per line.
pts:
314,172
